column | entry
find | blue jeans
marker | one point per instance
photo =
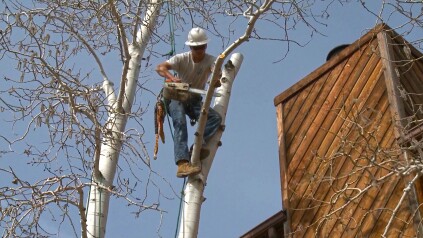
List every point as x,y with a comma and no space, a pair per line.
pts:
178,111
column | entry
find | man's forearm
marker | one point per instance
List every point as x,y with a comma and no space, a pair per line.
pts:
163,71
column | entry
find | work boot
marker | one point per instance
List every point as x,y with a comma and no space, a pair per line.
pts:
185,169
203,152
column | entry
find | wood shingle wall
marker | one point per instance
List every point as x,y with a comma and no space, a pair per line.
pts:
340,142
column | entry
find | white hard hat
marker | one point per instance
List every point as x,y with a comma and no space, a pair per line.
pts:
196,37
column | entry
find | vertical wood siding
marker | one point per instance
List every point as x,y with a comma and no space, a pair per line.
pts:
333,127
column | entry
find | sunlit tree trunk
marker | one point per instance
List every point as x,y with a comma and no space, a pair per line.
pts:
99,197
193,194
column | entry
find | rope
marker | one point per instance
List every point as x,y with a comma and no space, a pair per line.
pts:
171,29
172,36
180,209
100,214
171,21
172,51
96,203
89,195
178,219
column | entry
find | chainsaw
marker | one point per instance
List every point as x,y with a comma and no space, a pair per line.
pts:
182,91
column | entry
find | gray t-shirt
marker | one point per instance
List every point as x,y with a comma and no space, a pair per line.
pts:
196,74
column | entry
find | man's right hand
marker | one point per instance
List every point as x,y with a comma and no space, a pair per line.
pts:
163,70
173,79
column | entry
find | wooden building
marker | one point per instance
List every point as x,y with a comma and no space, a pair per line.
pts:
349,144
273,227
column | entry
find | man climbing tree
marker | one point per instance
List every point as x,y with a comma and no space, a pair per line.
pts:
192,67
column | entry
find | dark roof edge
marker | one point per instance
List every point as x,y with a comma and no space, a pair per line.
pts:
268,223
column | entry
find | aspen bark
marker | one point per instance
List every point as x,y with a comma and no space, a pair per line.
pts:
102,184
193,194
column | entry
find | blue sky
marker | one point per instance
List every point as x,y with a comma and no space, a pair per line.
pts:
243,187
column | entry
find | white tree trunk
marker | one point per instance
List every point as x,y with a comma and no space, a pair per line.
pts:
99,197
193,194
